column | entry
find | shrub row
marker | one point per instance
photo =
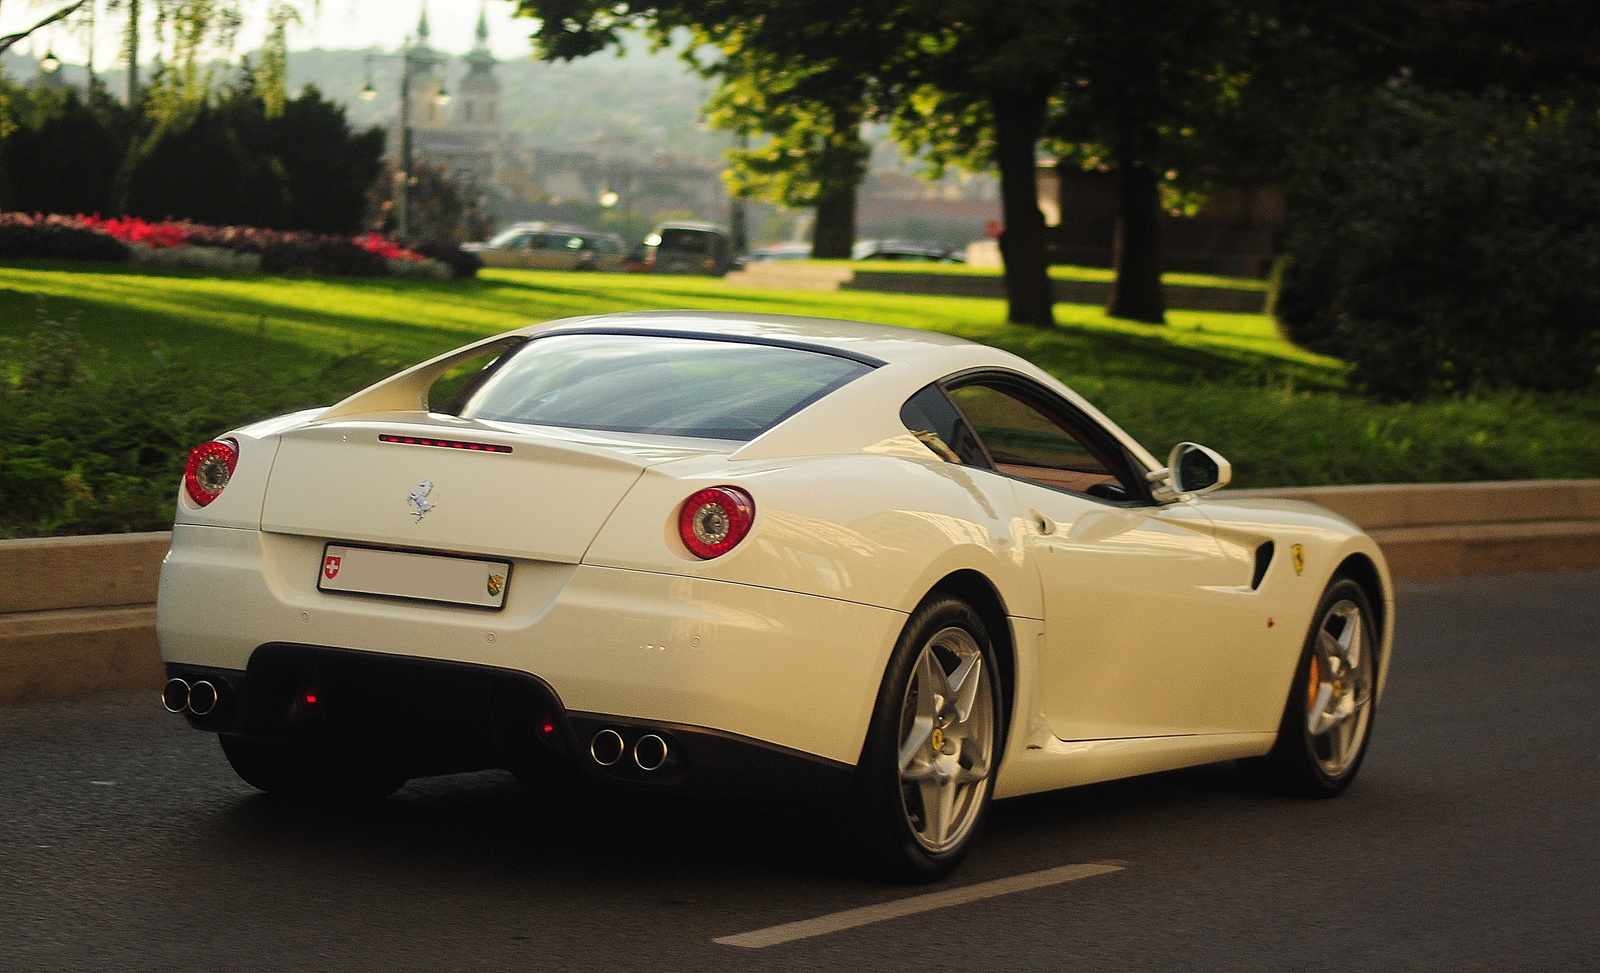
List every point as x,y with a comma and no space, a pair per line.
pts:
281,252
58,238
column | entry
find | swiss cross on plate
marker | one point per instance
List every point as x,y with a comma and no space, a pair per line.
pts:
330,566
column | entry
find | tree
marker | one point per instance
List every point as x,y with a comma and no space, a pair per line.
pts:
11,40
197,165
799,72
1452,243
329,166
811,153
971,83
63,154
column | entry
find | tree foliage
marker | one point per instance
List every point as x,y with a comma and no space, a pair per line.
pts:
797,77
224,160
49,126
1452,244
806,121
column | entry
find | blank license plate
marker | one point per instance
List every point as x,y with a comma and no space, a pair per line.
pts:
423,577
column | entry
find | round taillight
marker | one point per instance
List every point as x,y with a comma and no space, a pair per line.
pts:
209,469
715,520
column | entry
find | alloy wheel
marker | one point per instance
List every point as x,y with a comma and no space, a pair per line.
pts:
947,734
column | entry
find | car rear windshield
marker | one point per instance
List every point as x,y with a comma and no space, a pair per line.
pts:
659,385
686,241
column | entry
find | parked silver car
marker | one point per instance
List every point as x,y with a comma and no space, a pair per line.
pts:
542,246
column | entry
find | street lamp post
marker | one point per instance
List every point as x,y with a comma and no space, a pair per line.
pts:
408,63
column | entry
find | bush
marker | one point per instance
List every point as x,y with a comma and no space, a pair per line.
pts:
57,238
462,264
93,446
65,151
197,167
327,256
1453,244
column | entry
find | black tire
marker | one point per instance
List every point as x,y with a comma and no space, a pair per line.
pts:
280,769
1299,762
889,820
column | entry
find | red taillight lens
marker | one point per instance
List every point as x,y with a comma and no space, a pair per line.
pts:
209,470
715,520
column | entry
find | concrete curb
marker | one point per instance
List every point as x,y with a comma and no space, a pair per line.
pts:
77,614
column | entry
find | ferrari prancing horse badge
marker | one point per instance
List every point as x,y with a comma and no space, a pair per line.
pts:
1298,553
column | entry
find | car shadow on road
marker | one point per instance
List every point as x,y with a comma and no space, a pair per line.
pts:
491,827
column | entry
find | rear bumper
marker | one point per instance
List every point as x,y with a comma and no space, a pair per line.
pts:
792,672
410,717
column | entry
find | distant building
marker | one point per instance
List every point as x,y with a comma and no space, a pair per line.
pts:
459,130
1235,233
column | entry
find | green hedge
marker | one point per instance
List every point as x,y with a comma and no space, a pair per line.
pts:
1452,244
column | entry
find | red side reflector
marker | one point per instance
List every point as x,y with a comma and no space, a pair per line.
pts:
445,443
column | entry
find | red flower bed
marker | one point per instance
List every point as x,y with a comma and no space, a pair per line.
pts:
132,229
280,251
385,247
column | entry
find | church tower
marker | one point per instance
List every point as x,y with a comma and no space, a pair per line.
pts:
427,80
478,106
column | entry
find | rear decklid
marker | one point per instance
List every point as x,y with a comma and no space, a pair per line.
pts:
453,485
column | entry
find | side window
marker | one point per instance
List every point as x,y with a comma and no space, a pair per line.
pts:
932,419
538,241
1026,443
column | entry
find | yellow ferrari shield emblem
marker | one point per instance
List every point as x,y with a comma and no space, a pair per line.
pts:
937,740
1299,554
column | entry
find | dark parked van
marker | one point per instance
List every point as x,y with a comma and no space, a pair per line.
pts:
688,248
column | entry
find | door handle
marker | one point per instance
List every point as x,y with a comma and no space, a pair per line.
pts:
1044,524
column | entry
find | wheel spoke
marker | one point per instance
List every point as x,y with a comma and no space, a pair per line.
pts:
1317,721
935,811
1350,639
975,769
933,688
965,683
921,731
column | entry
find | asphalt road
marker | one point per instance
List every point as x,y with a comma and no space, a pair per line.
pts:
1471,841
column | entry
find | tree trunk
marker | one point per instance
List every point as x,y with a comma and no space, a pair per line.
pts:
1136,294
835,232
840,169
1018,120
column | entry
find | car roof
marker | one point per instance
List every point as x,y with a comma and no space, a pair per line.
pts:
839,422
881,343
689,225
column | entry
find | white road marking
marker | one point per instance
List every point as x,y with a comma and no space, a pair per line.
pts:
867,914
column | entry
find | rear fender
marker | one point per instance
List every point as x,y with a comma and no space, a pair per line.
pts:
878,530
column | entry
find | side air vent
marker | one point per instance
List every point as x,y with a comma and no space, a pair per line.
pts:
1263,560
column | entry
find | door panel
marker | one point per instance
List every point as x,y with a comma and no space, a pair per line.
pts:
1130,620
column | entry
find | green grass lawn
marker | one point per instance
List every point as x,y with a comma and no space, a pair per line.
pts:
168,359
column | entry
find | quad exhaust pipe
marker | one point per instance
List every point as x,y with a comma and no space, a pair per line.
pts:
650,752
199,698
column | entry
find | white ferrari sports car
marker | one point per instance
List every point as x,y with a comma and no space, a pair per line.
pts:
813,560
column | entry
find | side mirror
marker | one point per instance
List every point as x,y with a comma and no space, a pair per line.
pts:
1191,468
